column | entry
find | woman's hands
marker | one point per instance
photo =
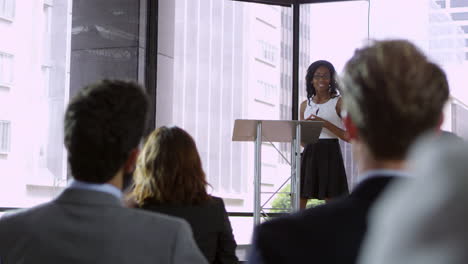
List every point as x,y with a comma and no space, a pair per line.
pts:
342,134
313,117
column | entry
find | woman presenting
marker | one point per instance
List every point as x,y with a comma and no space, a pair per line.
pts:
323,174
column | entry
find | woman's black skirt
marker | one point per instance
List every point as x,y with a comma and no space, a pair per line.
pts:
322,170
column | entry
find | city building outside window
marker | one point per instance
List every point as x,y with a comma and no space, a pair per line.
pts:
7,9
6,69
34,74
5,134
459,112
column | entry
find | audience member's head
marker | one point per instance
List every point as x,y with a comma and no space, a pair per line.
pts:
104,124
392,94
169,170
423,221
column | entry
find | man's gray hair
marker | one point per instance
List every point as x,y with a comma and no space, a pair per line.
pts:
393,93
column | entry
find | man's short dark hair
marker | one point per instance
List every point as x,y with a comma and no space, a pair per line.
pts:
393,94
104,122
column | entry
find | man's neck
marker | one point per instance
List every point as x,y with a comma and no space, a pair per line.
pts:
367,161
382,165
117,180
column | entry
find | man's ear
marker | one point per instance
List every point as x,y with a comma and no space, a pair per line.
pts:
129,166
351,128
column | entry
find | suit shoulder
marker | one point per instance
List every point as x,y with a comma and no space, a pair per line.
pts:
278,226
23,220
314,215
160,219
24,213
217,202
334,208
216,199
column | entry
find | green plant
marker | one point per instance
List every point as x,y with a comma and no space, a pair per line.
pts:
282,201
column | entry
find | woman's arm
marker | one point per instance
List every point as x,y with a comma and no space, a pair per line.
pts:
330,126
302,110
338,107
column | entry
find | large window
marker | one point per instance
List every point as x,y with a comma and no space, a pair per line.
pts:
224,60
438,28
226,66
227,61
34,70
41,44
336,30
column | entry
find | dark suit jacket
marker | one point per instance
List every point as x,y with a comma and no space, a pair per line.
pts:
331,233
211,228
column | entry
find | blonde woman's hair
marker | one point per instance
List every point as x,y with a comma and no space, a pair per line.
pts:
169,170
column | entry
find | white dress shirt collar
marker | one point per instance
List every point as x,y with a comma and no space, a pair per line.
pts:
382,172
100,187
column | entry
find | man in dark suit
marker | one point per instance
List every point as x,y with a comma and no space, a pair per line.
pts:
392,94
87,223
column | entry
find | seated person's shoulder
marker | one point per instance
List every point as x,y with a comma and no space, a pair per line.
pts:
289,222
314,215
24,221
213,204
150,224
217,206
218,201
13,214
147,217
24,214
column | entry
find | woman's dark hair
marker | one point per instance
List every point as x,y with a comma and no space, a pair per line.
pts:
169,170
310,76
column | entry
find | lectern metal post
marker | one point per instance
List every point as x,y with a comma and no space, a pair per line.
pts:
293,172
297,177
257,174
